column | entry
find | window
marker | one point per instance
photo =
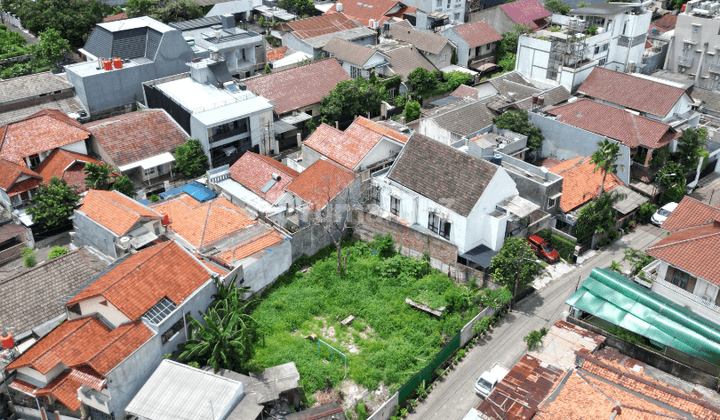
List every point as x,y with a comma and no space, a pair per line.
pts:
395,206
445,229
391,93
433,222
309,112
602,62
438,225
624,28
375,194
488,47
160,311
448,3
551,202
597,50
149,171
170,333
457,16
443,58
679,278
605,46
355,72
438,3
34,160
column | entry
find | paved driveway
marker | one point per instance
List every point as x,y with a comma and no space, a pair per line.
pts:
454,396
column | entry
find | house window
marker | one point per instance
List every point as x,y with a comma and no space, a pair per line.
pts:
34,160
433,222
624,28
355,72
597,49
602,62
391,93
444,229
448,3
149,171
605,46
551,202
395,206
375,194
678,277
457,16
170,333
438,225
438,3
488,47
443,58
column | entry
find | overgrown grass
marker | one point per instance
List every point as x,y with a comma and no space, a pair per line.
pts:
393,339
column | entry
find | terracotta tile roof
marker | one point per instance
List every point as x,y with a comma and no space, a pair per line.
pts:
606,120
65,386
45,130
201,224
321,25
382,129
66,165
23,186
254,171
118,16
526,12
321,182
276,54
465,91
141,280
213,267
581,183
477,33
377,10
115,210
693,250
300,86
431,43
632,92
690,213
254,245
445,175
137,135
664,24
10,172
22,386
84,341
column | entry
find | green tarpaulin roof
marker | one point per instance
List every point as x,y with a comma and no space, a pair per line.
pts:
624,303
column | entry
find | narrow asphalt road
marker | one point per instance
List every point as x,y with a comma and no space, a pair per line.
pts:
454,396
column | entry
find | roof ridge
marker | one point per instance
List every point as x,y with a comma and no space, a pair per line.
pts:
85,319
118,203
207,218
42,265
684,241
102,349
250,241
635,126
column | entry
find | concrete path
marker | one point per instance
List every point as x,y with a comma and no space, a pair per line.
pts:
708,190
453,397
29,38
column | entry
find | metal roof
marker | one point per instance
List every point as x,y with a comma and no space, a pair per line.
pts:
624,303
196,23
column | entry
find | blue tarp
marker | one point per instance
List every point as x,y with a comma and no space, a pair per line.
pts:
145,202
195,190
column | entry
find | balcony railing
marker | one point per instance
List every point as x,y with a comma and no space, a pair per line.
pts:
227,134
685,61
695,298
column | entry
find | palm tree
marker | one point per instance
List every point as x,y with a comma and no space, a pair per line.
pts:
604,159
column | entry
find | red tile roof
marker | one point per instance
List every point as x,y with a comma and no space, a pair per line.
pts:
321,25
10,172
382,129
464,91
664,24
690,213
581,183
254,245
253,171
606,120
65,386
66,165
477,33
141,280
525,12
630,91
377,10
300,86
139,135
114,210
118,16
44,130
693,250
201,224
276,54
321,182
84,341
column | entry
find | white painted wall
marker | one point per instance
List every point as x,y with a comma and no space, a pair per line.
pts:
77,147
108,311
261,269
38,378
383,149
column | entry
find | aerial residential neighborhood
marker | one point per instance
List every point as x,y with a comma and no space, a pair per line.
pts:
374,210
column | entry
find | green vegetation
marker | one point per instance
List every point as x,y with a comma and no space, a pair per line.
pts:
616,267
388,342
429,83
154,198
268,70
164,10
565,247
645,212
299,7
190,159
124,185
52,204
355,97
605,158
101,176
519,122
556,6
628,336
592,30
411,111
28,255
57,251
41,57
690,146
507,47
637,259
598,215
534,338
504,265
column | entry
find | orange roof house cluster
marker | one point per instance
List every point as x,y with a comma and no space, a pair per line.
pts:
174,272
276,54
691,212
254,171
68,166
606,120
45,130
378,10
478,33
350,147
202,224
321,182
114,210
581,183
10,173
321,25
251,247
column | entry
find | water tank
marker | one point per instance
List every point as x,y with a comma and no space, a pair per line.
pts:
372,23
599,31
496,159
8,341
124,242
338,7
572,99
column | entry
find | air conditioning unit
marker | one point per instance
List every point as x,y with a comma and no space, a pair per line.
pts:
706,299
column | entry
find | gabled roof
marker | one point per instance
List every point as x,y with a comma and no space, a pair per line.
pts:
135,136
468,118
349,51
445,175
10,172
321,182
65,386
252,246
363,12
201,224
138,282
276,54
630,91
300,86
693,250
526,12
31,86
117,16
691,212
664,24
114,210
255,172
382,129
321,25
581,183
44,130
36,296
606,120
465,91
66,165
404,58
84,341
426,42
477,33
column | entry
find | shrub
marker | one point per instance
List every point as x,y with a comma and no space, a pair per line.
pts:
57,251
645,212
534,338
481,326
194,364
592,30
154,198
28,255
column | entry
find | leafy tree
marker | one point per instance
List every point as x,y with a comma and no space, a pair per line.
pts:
53,203
637,259
423,80
454,79
28,255
605,158
299,7
57,251
135,8
507,63
401,100
268,69
598,215
645,212
518,121
52,47
350,98
690,145
97,176
454,57
556,6
411,111
178,10
534,338
190,158
616,267
582,4
124,185
504,266
509,42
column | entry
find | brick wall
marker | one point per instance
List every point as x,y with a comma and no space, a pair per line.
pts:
410,242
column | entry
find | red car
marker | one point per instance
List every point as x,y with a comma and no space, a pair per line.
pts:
542,249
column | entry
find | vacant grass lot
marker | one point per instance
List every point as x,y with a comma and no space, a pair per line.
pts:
388,341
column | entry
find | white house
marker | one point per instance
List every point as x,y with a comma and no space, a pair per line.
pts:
358,60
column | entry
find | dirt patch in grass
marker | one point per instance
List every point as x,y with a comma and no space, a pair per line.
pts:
351,393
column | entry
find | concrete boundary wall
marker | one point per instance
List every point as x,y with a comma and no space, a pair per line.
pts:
387,409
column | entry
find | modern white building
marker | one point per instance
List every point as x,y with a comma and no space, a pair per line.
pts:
610,35
454,9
